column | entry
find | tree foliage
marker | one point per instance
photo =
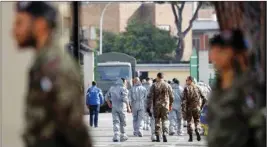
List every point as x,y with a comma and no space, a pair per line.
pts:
143,41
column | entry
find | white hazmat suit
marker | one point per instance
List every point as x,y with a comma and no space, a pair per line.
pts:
118,95
137,97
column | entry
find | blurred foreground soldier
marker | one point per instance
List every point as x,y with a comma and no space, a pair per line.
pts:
118,95
234,110
176,112
161,97
54,105
137,97
147,120
192,103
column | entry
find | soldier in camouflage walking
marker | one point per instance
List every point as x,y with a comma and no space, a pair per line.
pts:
161,97
54,105
239,95
117,99
192,103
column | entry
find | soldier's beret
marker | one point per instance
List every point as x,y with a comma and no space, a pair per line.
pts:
234,38
38,9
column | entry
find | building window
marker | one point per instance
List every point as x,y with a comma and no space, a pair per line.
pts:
93,33
196,43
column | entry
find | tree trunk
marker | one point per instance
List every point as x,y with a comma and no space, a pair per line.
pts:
249,17
180,49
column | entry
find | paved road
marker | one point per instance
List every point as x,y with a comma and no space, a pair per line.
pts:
102,136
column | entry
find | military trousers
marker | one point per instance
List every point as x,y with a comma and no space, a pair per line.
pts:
138,120
193,114
119,122
161,120
175,118
152,126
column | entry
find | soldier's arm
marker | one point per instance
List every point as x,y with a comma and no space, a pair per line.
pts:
184,99
125,99
171,97
150,97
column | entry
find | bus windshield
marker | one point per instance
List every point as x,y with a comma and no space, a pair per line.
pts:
112,73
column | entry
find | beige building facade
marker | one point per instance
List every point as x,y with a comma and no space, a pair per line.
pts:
118,14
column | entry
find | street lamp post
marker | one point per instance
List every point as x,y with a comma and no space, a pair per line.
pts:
101,28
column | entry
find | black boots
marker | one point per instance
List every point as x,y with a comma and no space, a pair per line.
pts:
158,139
190,138
198,135
164,138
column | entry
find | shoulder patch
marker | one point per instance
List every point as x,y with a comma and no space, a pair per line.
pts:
46,84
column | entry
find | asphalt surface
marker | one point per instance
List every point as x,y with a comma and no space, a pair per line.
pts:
102,136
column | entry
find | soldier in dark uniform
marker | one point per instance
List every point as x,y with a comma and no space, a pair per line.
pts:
54,104
234,110
161,97
192,103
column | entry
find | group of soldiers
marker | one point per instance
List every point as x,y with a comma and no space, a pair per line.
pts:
155,105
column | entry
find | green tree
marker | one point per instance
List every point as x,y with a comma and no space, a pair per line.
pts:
143,41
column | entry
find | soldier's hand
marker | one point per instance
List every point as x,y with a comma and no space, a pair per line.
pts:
170,108
148,111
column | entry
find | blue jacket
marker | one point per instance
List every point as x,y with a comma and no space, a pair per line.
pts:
94,96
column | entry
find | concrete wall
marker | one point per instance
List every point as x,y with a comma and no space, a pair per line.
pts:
14,66
169,75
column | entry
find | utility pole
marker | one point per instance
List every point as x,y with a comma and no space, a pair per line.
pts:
101,27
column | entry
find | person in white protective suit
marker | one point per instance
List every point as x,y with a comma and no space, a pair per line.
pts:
152,118
205,88
147,119
137,97
175,116
117,100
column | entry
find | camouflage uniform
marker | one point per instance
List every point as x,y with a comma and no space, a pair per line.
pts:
239,121
191,106
161,96
54,104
